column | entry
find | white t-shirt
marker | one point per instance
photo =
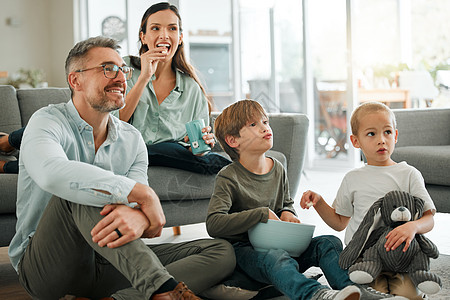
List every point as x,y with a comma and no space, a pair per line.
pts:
361,187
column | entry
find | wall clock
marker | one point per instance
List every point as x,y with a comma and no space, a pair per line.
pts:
114,27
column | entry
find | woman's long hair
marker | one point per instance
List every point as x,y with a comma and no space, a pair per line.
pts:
179,60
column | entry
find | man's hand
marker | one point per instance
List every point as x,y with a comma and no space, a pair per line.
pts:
130,222
288,216
403,233
149,204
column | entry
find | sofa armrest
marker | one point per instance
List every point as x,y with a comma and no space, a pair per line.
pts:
423,127
290,133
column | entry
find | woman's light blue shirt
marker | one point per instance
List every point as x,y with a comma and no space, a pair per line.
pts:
166,121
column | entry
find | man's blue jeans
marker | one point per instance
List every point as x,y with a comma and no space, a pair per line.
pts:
174,155
285,273
14,139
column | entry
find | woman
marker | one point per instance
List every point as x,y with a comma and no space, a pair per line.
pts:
164,94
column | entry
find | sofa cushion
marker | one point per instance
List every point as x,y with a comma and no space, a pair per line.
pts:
431,161
30,100
8,229
10,114
419,126
180,185
172,184
440,195
8,196
185,212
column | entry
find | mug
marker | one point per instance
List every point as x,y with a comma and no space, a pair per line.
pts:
195,134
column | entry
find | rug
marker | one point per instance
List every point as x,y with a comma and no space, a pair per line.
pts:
440,266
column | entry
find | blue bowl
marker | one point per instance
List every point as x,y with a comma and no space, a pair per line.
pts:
292,237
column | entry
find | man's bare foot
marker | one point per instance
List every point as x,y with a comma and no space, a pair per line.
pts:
2,164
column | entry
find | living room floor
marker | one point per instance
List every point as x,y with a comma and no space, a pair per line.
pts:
324,182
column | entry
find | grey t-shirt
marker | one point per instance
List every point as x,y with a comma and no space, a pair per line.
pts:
241,200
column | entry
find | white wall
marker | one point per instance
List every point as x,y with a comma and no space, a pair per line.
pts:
61,38
40,36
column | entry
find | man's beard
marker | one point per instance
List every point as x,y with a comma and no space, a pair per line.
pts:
104,105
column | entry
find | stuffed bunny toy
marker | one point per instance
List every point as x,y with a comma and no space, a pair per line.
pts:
396,208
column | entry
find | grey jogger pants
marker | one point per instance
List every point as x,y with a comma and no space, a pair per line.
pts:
62,259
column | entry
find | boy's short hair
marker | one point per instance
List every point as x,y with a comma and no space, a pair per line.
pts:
233,119
366,108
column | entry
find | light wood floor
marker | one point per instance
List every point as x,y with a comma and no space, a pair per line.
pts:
10,288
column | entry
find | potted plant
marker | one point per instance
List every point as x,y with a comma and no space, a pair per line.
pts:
28,78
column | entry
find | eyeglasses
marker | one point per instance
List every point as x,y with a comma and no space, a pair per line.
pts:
111,70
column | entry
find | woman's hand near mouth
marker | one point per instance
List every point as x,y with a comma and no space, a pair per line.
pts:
150,59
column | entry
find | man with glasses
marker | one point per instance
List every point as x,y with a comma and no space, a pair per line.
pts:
84,201
10,143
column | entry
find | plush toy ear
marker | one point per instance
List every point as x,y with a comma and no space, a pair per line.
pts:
351,253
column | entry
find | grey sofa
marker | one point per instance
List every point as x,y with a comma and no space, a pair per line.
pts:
184,195
424,142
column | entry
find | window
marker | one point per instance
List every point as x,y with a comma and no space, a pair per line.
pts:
255,49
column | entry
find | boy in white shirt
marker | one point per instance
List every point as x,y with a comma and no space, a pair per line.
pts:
374,132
